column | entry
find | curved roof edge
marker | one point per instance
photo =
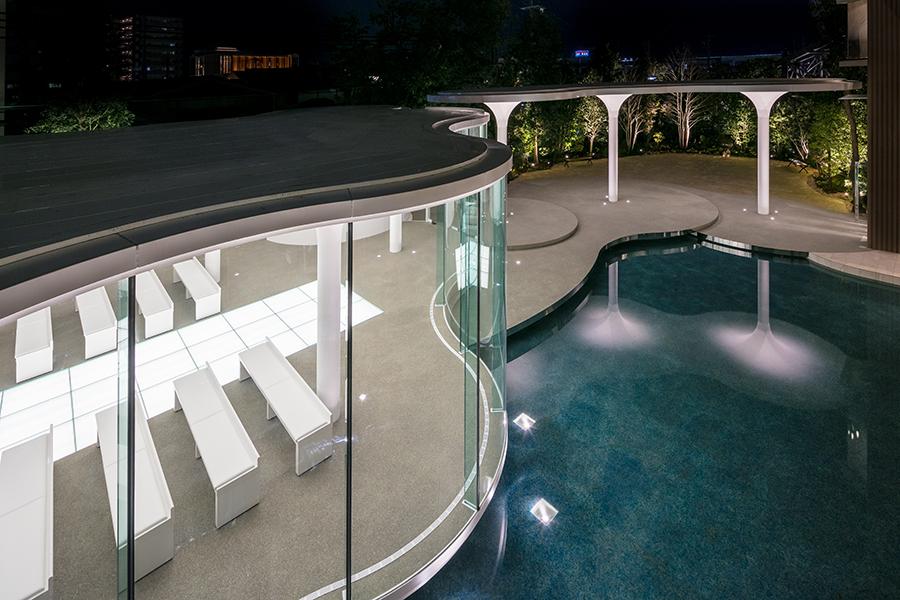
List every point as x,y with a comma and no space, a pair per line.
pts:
34,279
569,92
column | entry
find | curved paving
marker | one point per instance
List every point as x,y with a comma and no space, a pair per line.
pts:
536,223
670,193
540,278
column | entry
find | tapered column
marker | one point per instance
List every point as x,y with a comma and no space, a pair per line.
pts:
613,104
763,101
501,111
396,233
762,296
328,317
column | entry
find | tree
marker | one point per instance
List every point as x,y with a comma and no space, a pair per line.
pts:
792,118
527,130
560,126
737,120
638,115
684,109
89,115
592,119
535,50
829,144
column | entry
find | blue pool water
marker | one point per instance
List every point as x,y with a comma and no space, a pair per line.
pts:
696,448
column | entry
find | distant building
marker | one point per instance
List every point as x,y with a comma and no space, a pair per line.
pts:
141,47
228,61
857,33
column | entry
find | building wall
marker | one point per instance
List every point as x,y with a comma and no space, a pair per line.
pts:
146,47
884,125
228,62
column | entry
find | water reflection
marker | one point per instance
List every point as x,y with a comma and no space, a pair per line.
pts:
781,356
609,328
705,422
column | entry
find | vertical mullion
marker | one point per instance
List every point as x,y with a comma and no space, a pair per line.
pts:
478,352
349,405
131,427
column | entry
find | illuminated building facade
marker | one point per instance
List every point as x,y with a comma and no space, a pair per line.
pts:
145,47
227,61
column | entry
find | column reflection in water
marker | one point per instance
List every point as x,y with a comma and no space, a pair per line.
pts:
609,327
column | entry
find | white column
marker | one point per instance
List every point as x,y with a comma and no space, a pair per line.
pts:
763,101
762,296
427,214
213,263
613,104
501,111
396,233
328,317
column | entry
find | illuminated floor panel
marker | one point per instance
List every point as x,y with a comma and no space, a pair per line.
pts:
69,399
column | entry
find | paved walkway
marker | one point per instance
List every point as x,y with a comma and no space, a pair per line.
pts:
671,192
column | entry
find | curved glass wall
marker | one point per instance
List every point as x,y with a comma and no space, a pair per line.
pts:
64,448
267,418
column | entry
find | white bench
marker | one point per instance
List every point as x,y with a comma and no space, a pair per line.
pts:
199,285
98,322
230,458
26,519
34,345
154,303
305,418
154,529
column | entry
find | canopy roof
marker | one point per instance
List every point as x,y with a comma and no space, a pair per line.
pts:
543,93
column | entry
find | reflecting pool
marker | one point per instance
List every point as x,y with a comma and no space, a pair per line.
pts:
700,424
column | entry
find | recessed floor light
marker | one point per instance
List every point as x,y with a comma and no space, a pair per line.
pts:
524,422
413,251
518,262
543,511
363,397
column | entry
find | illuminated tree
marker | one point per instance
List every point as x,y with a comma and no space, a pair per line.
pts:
735,120
592,119
527,130
84,116
791,122
684,109
638,115
562,130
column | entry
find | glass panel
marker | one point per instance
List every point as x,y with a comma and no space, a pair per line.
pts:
407,397
240,367
492,348
123,406
470,279
61,384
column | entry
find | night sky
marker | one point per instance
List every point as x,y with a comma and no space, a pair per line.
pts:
717,26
